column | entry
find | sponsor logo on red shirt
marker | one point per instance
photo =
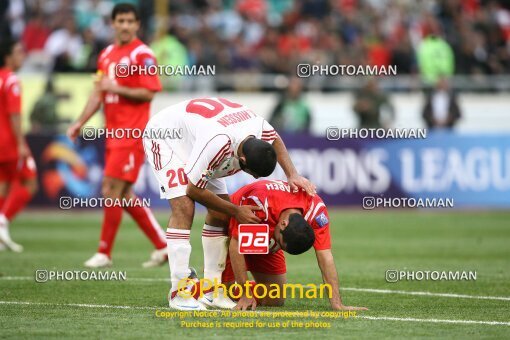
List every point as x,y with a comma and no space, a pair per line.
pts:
253,238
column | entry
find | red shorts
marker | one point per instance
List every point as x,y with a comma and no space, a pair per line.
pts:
123,163
12,170
273,264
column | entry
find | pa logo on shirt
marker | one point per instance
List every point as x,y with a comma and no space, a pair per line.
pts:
253,238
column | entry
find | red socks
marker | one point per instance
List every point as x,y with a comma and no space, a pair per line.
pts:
111,222
143,218
149,225
17,198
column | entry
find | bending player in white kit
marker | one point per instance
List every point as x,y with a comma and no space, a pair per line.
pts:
191,146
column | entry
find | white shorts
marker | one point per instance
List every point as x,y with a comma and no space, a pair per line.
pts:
169,170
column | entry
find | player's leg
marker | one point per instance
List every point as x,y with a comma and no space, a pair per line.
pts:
179,252
215,246
121,169
166,166
111,188
215,242
20,194
133,160
4,183
150,226
4,189
177,238
214,235
268,269
22,187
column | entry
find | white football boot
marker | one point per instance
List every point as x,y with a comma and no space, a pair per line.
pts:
219,301
158,258
5,238
186,301
99,260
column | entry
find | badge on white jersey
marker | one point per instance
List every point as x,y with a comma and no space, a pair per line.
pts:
208,174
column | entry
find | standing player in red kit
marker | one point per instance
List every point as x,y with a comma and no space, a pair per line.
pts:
297,221
126,102
18,180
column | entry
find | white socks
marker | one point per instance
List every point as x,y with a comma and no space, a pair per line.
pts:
4,221
179,251
214,242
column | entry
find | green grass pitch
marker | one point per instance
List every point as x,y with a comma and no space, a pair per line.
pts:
365,245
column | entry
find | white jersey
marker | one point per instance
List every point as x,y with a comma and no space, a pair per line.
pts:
210,131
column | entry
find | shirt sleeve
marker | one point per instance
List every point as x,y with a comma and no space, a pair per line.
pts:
233,230
204,159
148,81
320,225
269,134
13,102
100,69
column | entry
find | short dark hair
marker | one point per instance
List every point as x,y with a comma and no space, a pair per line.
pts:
298,236
6,48
260,157
124,7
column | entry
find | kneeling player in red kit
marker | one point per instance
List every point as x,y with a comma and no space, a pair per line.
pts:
296,222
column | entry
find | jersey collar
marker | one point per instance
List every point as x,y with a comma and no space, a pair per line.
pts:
132,43
235,146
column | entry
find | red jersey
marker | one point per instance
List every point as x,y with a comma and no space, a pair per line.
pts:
10,104
274,197
121,112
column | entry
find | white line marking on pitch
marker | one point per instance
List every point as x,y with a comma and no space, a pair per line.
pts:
366,290
405,292
84,305
388,318
376,318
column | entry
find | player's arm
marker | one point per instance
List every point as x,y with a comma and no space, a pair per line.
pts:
20,138
330,276
92,106
207,153
293,178
243,214
241,276
13,107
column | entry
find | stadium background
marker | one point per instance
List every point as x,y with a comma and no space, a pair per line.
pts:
256,46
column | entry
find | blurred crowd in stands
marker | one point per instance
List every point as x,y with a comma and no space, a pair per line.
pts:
272,36
432,39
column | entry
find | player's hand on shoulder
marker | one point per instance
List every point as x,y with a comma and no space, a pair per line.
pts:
246,303
297,181
245,214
